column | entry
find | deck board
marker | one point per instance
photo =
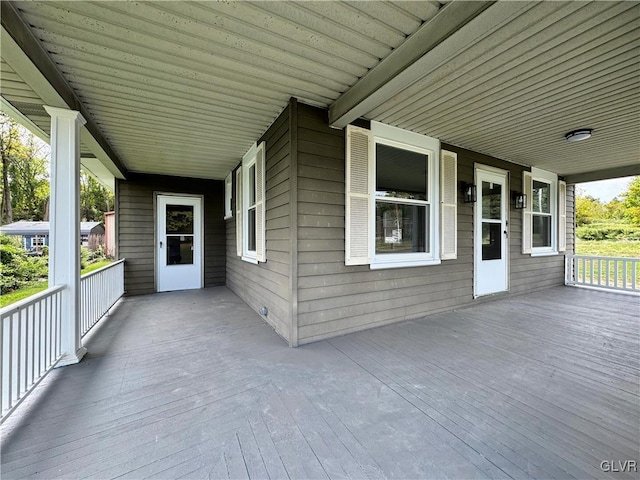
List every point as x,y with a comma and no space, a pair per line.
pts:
196,385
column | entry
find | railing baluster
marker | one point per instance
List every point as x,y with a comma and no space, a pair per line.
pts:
11,363
3,375
19,351
30,343
625,279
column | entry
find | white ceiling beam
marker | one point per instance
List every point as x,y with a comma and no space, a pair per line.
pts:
456,26
23,120
24,54
605,174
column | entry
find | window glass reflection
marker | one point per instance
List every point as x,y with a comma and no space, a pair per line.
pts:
491,200
541,231
251,237
180,250
179,219
400,173
541,193
491,241
401,228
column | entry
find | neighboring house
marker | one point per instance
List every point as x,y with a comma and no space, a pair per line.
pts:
338,165
110,234
35,235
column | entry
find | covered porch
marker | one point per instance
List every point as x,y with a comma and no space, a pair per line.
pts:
194,384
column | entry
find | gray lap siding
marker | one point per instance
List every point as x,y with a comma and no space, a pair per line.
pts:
267,284
308,290
335,299
136,227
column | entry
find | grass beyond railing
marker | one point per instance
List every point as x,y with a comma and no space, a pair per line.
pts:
30,337
603,272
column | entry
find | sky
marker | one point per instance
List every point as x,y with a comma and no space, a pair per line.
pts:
606,190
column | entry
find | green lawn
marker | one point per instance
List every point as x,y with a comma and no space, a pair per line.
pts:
16,295
37,287
608,248
96,266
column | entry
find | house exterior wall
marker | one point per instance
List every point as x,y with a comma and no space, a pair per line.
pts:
135,232
26,240
334,299
110,234
309,291
268,283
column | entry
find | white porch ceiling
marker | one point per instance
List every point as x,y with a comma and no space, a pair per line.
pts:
184,88
516,89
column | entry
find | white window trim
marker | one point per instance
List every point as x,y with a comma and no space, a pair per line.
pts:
552,179
37,241
248,161
238,200
404,139
251,159
228,211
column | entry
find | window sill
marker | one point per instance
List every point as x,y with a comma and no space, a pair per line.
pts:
250,260
413,263
227,217
543,254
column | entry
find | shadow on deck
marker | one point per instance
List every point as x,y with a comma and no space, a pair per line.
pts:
194,384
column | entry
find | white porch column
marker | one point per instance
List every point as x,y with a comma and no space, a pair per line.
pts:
64,230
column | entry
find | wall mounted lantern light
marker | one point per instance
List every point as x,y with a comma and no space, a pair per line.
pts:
469,193
520,200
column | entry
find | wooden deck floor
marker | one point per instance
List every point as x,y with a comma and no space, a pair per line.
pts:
195,385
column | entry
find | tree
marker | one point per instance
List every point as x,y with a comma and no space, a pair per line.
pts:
588,209
9,142
631,202
29,174
94,199
25,179
25,173
614,210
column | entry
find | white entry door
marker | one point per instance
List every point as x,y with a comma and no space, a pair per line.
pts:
491,232
179,243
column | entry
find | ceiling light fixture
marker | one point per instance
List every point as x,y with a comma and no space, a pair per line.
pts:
578,135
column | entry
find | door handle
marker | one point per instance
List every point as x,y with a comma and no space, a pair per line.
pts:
160,244
506,234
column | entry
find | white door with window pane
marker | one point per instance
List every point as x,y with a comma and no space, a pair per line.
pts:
179,246
491,232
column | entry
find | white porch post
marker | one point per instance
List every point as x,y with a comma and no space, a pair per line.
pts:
64,230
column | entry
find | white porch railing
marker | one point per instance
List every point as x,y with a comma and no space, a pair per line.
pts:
30,340
99,291
603,272
30,331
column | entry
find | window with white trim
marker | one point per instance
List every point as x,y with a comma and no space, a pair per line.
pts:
250,205
394,199
228,182
37,242
544,213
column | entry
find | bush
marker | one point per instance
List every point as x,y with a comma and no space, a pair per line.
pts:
89,256
17,269
608,231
